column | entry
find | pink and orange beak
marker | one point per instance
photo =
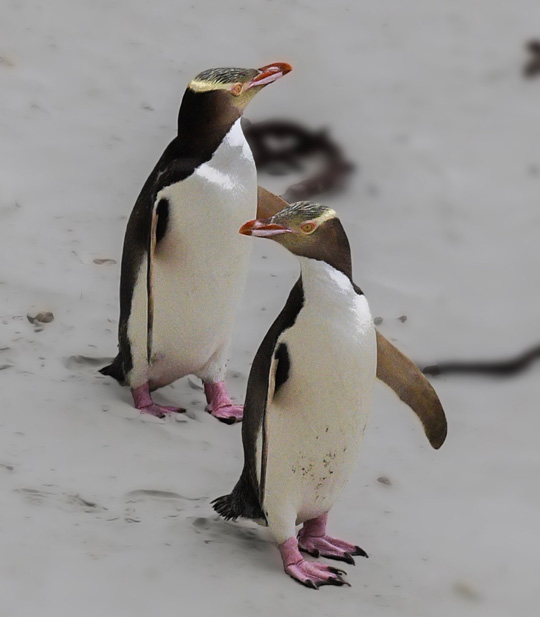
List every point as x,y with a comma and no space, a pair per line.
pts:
269,73
263,229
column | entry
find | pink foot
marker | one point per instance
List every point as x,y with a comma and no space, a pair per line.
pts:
143,401
309,573
220,405
312,539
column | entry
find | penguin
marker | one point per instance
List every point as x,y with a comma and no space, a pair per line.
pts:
309,396
394,369
183,265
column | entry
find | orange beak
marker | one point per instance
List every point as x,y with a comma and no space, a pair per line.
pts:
263,229
269,73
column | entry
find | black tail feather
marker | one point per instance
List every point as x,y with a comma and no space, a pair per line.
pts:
224,507
242,502
115,369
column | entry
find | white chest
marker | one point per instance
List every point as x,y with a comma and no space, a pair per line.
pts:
317,419
207,208
200,266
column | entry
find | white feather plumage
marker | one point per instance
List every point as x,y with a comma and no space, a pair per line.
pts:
316,420
200,269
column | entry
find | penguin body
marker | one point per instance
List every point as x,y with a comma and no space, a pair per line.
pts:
183,265
309,396
317,417
196,295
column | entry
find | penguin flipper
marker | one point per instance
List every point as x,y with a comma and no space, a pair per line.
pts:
152,241
247,496
168,170
268,204
408,382
269,372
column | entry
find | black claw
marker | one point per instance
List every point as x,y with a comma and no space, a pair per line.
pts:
338,582
315,553
230,420
307,583
337,571
227,420
346,557
360,551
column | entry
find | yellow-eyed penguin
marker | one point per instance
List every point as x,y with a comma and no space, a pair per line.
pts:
309,396
184,266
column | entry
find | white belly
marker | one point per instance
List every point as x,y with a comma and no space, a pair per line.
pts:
200,266
317,419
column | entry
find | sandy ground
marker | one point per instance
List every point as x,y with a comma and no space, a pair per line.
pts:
106,512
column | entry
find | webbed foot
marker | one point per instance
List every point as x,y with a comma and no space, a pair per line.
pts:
144,403
312,539
220,405
308,573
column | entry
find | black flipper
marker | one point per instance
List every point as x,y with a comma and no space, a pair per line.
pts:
144,228
152,241
247,496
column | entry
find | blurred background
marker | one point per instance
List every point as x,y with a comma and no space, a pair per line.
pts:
429,100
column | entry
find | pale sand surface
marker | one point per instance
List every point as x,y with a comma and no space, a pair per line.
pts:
106,512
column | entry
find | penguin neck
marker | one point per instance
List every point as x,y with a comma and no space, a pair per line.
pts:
322,280
203,121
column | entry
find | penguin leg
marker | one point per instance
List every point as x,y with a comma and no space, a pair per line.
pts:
312,539
220,404
217,397
309,573
143,401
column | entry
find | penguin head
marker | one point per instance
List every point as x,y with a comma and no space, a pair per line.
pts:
309,230
240,84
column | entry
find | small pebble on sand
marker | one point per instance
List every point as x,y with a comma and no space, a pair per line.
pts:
39,318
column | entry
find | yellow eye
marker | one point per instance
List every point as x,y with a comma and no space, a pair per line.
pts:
236,90
308,228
